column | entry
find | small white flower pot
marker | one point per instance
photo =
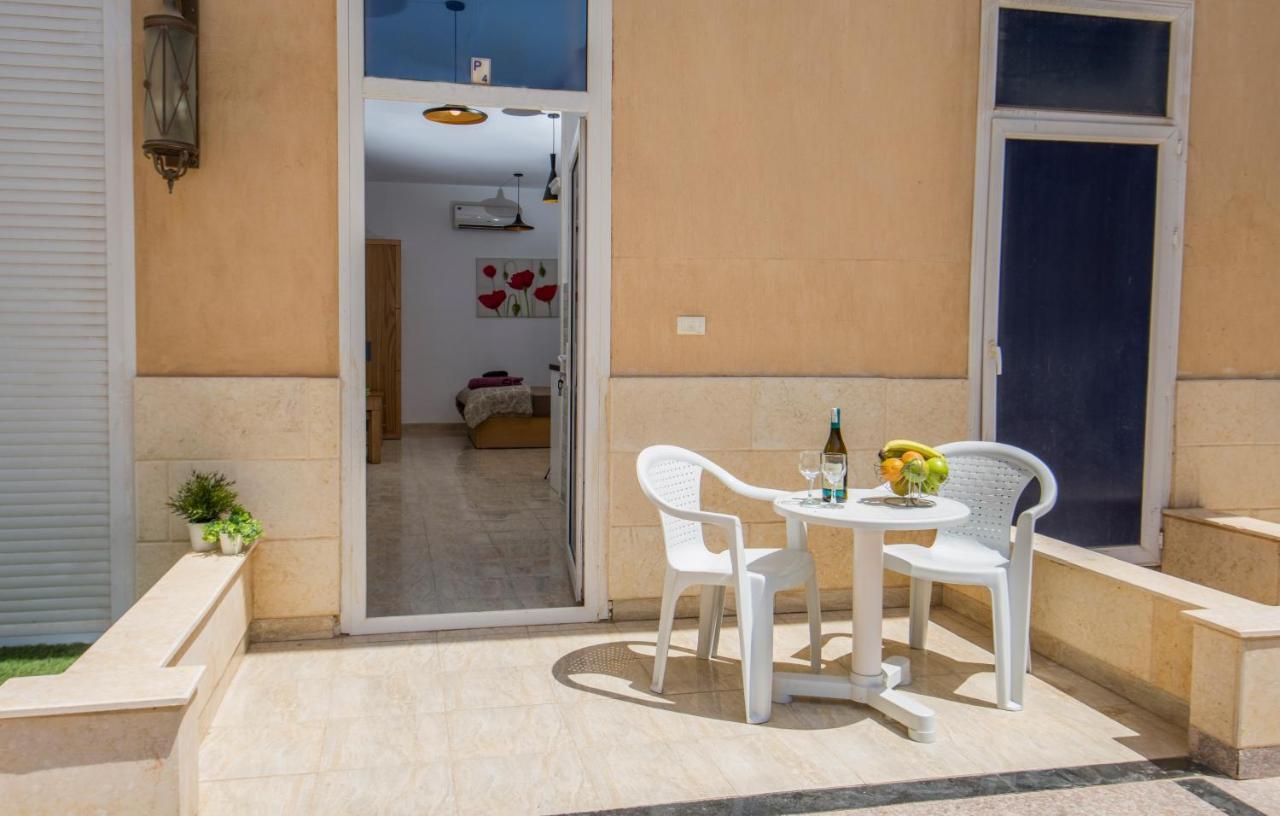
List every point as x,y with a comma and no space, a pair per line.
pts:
231,545
196,532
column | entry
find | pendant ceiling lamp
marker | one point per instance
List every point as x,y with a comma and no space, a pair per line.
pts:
455,114
518,225
552,192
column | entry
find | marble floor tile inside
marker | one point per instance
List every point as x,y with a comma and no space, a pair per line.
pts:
455,529
560,719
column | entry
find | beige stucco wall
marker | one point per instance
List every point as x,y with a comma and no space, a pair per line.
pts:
1230,289
779,166
772,170
237,270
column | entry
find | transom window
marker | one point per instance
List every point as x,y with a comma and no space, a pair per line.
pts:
1082,62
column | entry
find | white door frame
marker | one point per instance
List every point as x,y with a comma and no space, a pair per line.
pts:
595,105
995,127
122,355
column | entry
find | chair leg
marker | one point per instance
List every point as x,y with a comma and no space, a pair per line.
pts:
709,621
757,669
719,621
1001,630
921,590
813,600
1020,646
670,592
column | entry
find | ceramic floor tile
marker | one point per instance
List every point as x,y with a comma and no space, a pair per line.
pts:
374,742
267,796
491,732
547,719
496,688
454,529
768,761
386,791
526,784
273,699
268,750
355,697
629,775
389,658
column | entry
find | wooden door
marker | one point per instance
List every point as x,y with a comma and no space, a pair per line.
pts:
382,327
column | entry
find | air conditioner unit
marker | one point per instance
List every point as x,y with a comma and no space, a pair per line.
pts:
482,217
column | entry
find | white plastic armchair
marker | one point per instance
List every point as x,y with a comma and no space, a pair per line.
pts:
989,478
671,478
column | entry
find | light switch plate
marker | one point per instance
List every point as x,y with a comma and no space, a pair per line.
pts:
691,324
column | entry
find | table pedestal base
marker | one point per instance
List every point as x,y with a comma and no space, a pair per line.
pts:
879,692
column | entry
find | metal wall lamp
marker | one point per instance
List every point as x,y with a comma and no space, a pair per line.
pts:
170,120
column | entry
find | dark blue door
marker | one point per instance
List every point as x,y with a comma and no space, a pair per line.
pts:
1076,267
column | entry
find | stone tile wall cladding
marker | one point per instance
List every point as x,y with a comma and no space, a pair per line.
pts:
278,438
755,427
1218,424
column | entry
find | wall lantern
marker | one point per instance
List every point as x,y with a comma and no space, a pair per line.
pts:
170,120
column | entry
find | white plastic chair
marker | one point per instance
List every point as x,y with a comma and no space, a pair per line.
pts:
671,478
988,477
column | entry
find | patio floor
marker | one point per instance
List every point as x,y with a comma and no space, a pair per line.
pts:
560,719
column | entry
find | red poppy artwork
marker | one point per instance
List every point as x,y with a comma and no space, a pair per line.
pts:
517,287
521,280
493,300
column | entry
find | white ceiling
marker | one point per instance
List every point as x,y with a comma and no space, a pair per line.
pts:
400,145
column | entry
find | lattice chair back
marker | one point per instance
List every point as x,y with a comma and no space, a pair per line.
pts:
989,477
677,483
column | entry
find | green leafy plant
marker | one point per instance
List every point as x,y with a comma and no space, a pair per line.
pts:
239,522
203,498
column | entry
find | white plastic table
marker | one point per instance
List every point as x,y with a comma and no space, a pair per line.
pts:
873,681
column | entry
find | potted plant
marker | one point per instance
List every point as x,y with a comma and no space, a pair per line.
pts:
203,498
235,533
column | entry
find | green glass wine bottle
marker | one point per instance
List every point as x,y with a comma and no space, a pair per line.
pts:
835,444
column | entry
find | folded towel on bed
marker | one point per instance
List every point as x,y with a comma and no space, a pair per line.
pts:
493,382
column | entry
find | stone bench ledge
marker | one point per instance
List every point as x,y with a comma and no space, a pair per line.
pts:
122,689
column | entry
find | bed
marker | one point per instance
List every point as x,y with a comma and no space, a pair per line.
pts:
517,416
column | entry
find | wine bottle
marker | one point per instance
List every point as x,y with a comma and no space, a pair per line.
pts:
835,444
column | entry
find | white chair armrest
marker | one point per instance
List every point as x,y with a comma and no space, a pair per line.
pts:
725,520
767,494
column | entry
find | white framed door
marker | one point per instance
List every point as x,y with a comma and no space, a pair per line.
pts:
1017,253
591,328
1131,462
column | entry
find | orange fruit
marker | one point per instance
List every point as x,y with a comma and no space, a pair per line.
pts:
901,487
891,469
911,456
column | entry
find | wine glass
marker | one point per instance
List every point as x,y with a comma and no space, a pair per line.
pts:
810,467
833,470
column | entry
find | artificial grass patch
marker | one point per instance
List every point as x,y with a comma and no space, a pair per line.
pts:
41,658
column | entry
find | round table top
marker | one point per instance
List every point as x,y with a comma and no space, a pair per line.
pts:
866,509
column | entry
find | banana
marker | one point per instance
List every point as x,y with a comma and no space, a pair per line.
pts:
897,447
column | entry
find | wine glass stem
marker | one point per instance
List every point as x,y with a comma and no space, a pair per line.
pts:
809,497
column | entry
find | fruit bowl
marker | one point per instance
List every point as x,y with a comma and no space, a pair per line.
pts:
911,471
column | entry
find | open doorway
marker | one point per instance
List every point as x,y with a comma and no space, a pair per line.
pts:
470,355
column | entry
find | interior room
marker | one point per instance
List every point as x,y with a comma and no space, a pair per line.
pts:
467,356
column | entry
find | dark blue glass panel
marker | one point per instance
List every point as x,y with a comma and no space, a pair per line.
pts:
532,43
1074,321
1082,62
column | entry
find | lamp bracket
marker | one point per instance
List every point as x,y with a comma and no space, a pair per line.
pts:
186,9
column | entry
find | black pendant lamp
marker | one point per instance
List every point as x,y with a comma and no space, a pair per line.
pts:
551,194
518,225
455,114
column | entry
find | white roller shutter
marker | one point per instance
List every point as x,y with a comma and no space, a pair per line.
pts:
55,463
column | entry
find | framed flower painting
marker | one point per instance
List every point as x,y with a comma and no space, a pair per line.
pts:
517,287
